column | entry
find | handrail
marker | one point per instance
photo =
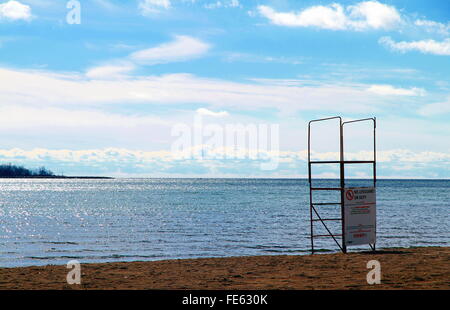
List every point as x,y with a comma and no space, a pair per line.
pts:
309,138
374,161
360,120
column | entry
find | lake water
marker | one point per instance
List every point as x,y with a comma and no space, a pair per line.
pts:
44,221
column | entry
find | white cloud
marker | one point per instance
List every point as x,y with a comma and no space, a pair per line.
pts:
23,117
362,16
437,108
46,88
149,7
246,57
433,27
110,71
331,17
374,15
116,161
206,112
181,49
390,90
222,4
424,46
74,127
14,10
395,155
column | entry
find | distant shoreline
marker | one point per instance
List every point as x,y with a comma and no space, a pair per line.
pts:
55,177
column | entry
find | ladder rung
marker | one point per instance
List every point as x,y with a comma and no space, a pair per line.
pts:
345,162
316,220
314,236
326,203
326,188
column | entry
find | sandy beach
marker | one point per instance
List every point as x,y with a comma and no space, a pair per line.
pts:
411,268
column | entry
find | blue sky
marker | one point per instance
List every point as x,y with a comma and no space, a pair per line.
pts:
103,96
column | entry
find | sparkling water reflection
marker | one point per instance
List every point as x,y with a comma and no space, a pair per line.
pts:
52,221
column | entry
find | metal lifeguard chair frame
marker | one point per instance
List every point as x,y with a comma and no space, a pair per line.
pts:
314,213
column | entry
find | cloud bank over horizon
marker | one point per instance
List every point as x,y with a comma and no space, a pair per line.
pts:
208,162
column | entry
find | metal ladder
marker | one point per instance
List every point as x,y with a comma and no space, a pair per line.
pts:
313,210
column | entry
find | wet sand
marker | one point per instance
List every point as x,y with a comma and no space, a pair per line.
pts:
411,268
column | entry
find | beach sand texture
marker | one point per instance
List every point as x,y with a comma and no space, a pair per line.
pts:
401,268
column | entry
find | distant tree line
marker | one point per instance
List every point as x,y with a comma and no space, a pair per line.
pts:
9,170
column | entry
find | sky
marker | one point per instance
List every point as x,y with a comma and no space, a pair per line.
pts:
151,88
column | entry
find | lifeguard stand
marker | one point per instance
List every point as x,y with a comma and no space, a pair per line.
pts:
315,207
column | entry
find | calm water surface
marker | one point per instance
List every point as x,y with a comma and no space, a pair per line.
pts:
52,221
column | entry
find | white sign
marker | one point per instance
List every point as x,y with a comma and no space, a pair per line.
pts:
360,215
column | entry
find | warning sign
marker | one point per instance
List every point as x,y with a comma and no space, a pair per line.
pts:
350,194
360,215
